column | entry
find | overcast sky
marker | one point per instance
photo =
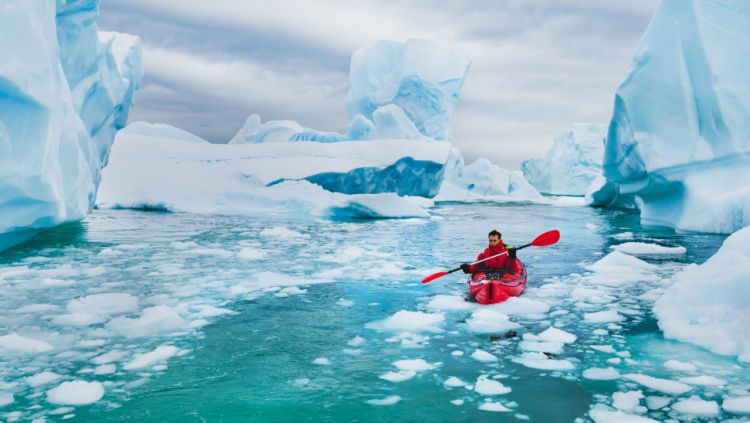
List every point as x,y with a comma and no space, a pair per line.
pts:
538,66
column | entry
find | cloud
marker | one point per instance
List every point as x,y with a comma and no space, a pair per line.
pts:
537,66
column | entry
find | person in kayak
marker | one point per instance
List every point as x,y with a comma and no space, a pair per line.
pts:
504,263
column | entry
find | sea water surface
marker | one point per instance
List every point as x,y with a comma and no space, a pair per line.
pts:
237,318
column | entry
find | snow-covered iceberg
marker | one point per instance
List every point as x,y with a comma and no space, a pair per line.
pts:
571,164
357,179
482,180
709,304
678,144
65,90
422,78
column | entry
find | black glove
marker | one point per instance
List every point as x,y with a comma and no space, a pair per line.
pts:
512,253
465,268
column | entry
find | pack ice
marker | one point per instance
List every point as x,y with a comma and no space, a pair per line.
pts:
65,90
571,164
678,144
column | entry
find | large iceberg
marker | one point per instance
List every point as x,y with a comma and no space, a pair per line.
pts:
571,164
678,145
422,78
65,90
165,170
709,305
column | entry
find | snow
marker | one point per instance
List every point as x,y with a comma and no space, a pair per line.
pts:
77,392
596,373
662,385
66,89
494,406
483,356
420,77
15,343
390,400
482,180
684,163
696,406
490,321
712,298
739,405
487,387
161,354
571,164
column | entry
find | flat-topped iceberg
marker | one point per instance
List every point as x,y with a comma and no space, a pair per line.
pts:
678,145
65,90
571,164
368,179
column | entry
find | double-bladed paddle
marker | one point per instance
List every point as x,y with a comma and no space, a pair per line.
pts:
547,238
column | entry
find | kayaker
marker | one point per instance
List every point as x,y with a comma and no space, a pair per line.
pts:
496,246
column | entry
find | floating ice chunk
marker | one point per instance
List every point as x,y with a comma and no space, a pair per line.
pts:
457,353
628,401
545,346
557,335
153,320
454,382
105,369
77,392
16,343
104,304
606,316
211,311
520,305
644,248
450,303
656,403
390,400
322,361
6,398
536,360
282,233
42,378
483,356
602,414
680,366
662,385
78,319
695,406
703,381
494,406
739,405
356,341
490,321
36,308
603,348
247,253
161,354
109,357
457,402
415,321
596,373
417,365
398,376
487,387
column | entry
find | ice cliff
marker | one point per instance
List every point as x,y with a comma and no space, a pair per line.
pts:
65,90
571,164
678,144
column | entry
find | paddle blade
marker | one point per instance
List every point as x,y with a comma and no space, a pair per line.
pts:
434,276
547,238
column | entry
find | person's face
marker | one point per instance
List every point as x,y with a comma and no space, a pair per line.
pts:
494,239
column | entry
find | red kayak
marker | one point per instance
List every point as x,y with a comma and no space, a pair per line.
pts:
489,287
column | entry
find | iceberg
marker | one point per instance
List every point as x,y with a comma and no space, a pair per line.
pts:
707,305
421,78
482,180
253,131
571,164
65,90
678,144
355,179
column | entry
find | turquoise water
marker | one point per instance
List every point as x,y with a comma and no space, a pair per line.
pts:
257,308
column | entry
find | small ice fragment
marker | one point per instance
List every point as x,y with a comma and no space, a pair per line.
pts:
417,365
42,378
160,354
105,369
356,341
77,392
703,381
662,385
695,406
399,376
457,353
739,405
457,402
679,366
393,399
322,361
596,373
557,335
454,382
603,348
483,356
487,387
493,406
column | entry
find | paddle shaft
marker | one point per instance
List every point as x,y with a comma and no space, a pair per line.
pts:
488,258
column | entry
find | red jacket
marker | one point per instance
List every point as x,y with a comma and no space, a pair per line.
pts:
494,263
